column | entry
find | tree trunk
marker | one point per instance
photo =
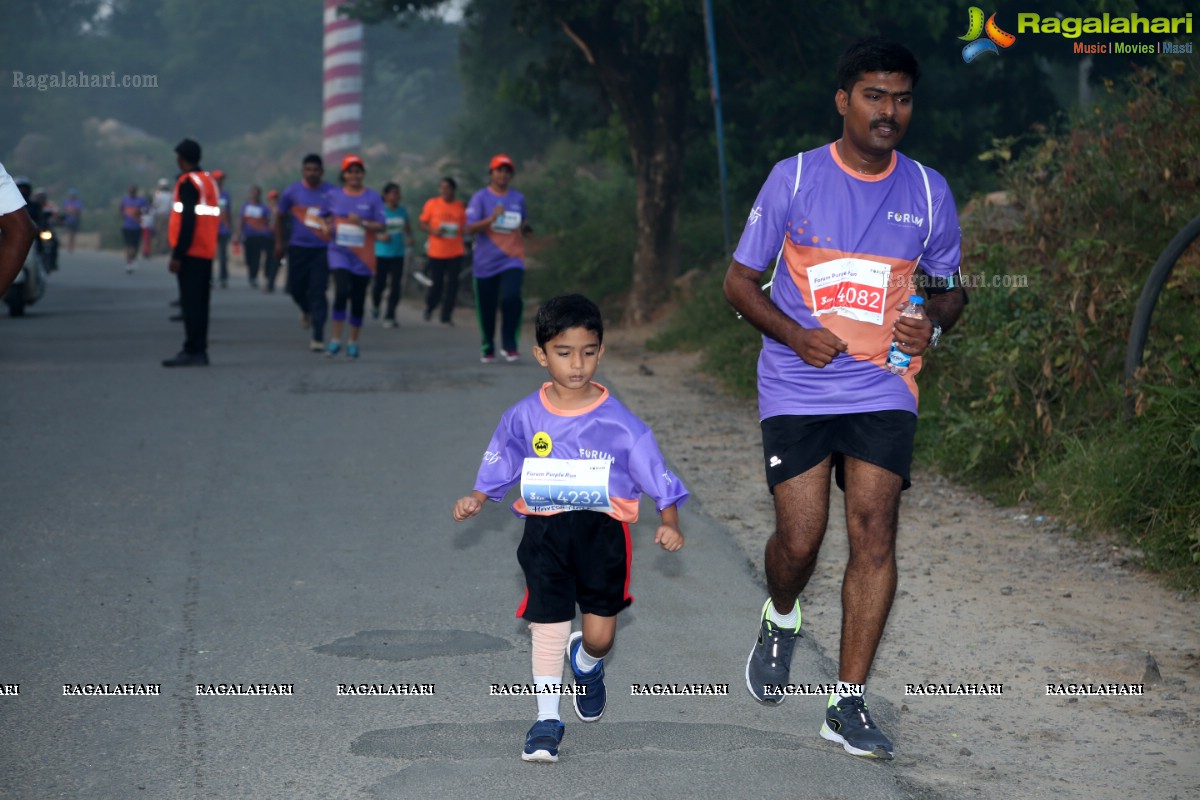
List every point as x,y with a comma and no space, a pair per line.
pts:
650,92
656,259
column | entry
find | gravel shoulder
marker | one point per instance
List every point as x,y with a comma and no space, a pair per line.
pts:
987,595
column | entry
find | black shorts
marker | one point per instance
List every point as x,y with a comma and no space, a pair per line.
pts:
574,557
132,236
792,445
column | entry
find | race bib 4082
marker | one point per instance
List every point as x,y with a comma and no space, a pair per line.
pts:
850,287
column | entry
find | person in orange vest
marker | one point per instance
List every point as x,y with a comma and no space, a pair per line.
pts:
192,233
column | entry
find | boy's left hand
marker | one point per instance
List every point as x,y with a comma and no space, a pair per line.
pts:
669,537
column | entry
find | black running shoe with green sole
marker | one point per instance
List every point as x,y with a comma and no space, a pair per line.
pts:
770,663
849,724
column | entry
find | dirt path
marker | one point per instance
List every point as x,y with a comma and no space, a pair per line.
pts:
987,595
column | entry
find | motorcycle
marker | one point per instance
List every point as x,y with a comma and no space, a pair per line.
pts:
29,285
48,244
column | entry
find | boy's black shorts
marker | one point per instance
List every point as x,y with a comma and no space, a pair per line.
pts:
792,445
574,557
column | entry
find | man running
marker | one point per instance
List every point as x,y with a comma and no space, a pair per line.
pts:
849,222
307,247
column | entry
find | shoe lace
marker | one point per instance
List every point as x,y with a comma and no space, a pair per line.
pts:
857,706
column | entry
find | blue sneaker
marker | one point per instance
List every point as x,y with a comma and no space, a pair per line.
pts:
542,741
352,350
333,349
849,724
589,706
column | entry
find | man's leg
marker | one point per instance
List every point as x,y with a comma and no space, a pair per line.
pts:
872,513
869,584
318,285
801,514
195,283
299,260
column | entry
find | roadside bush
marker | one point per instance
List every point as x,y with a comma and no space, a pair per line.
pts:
1026,399
584,214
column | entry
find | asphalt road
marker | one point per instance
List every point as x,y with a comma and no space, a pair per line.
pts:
280,518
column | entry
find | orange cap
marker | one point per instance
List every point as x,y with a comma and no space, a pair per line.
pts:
350,159
217,174
501,160
273,193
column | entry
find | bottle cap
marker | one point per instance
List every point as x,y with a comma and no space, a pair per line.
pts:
916,298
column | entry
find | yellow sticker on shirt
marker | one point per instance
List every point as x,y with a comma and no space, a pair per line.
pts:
542,444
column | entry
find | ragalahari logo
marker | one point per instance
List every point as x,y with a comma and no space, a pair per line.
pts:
996,38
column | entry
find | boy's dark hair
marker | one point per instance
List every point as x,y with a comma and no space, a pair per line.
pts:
453,183
564,312
313,158
387,187
874,54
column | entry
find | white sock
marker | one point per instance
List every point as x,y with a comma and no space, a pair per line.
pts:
785,621
584,662
547,700
845,690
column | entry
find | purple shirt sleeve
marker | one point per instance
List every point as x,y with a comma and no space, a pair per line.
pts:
652,476
765,226
500,468
944,253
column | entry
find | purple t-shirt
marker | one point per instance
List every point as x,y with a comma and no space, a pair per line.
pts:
132,209
347,238
256,220
499,247
304,204
851,244
610,453
72,208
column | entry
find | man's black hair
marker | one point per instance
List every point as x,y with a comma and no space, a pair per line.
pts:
313,158
874,54
453,183
189,151
565,312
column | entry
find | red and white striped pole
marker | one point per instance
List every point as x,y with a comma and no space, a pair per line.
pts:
341,123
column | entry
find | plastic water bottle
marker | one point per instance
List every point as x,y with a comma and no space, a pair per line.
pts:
898,360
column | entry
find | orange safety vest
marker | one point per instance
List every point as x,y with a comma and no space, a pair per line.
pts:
208,215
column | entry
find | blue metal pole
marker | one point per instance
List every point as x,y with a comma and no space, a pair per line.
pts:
716,101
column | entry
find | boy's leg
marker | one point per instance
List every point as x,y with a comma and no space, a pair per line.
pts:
598,636
601,551
549,649
549,607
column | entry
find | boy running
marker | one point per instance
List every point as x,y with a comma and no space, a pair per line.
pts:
582,461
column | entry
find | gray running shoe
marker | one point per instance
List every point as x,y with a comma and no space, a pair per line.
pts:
770,661
849,724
